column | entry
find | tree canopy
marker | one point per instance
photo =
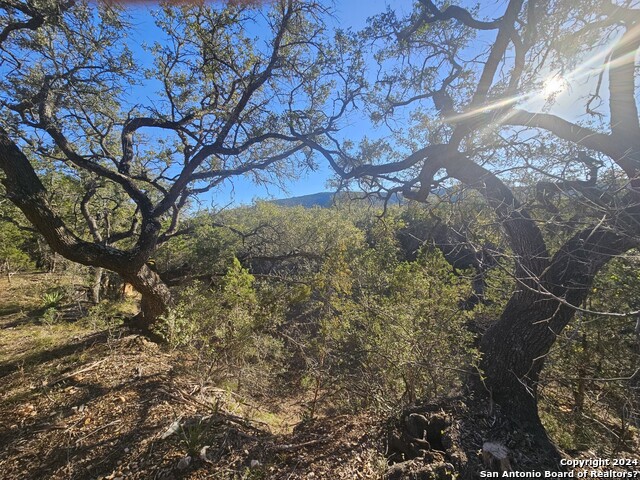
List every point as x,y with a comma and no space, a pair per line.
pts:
456,101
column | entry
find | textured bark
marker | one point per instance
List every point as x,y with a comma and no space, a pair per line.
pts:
513,354
156,299
515,347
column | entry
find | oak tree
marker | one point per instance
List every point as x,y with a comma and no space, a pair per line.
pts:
459,97
231,90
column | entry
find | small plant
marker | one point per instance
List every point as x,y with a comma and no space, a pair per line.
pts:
51,316
194,436
176,327
251,474
52,299
105,314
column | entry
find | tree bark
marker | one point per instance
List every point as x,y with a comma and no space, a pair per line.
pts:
96,284
156,299
514,348
513,355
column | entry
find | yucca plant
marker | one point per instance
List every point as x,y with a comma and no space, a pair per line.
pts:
52,299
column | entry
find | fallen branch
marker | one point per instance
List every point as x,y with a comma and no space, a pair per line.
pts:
296,446
78,372
78,441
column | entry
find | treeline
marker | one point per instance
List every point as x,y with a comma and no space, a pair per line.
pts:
329,300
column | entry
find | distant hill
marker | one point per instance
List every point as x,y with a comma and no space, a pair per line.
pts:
321,199
326,200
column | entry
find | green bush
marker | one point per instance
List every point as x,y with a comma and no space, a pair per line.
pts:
232,337
401,339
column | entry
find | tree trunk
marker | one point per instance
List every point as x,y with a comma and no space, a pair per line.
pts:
27,192
7,270
515,347
514,350
156,299
96,284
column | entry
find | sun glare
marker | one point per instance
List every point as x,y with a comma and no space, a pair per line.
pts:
553,86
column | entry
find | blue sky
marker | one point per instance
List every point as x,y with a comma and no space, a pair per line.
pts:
348,14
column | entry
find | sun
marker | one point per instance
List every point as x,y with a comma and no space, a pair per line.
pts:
553,86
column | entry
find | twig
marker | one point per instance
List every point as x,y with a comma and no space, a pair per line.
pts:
296,446
97,430
78,372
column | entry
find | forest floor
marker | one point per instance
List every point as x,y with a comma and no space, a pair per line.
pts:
82,402
83,398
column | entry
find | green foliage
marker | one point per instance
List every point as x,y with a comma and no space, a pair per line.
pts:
106,314
52,298
237,287
193,436
15,243
400,338
51,316
334,304
177,326
12,257
208,249
232,337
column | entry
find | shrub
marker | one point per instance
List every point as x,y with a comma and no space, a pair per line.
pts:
232,337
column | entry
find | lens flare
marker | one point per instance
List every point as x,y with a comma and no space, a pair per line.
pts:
553,86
